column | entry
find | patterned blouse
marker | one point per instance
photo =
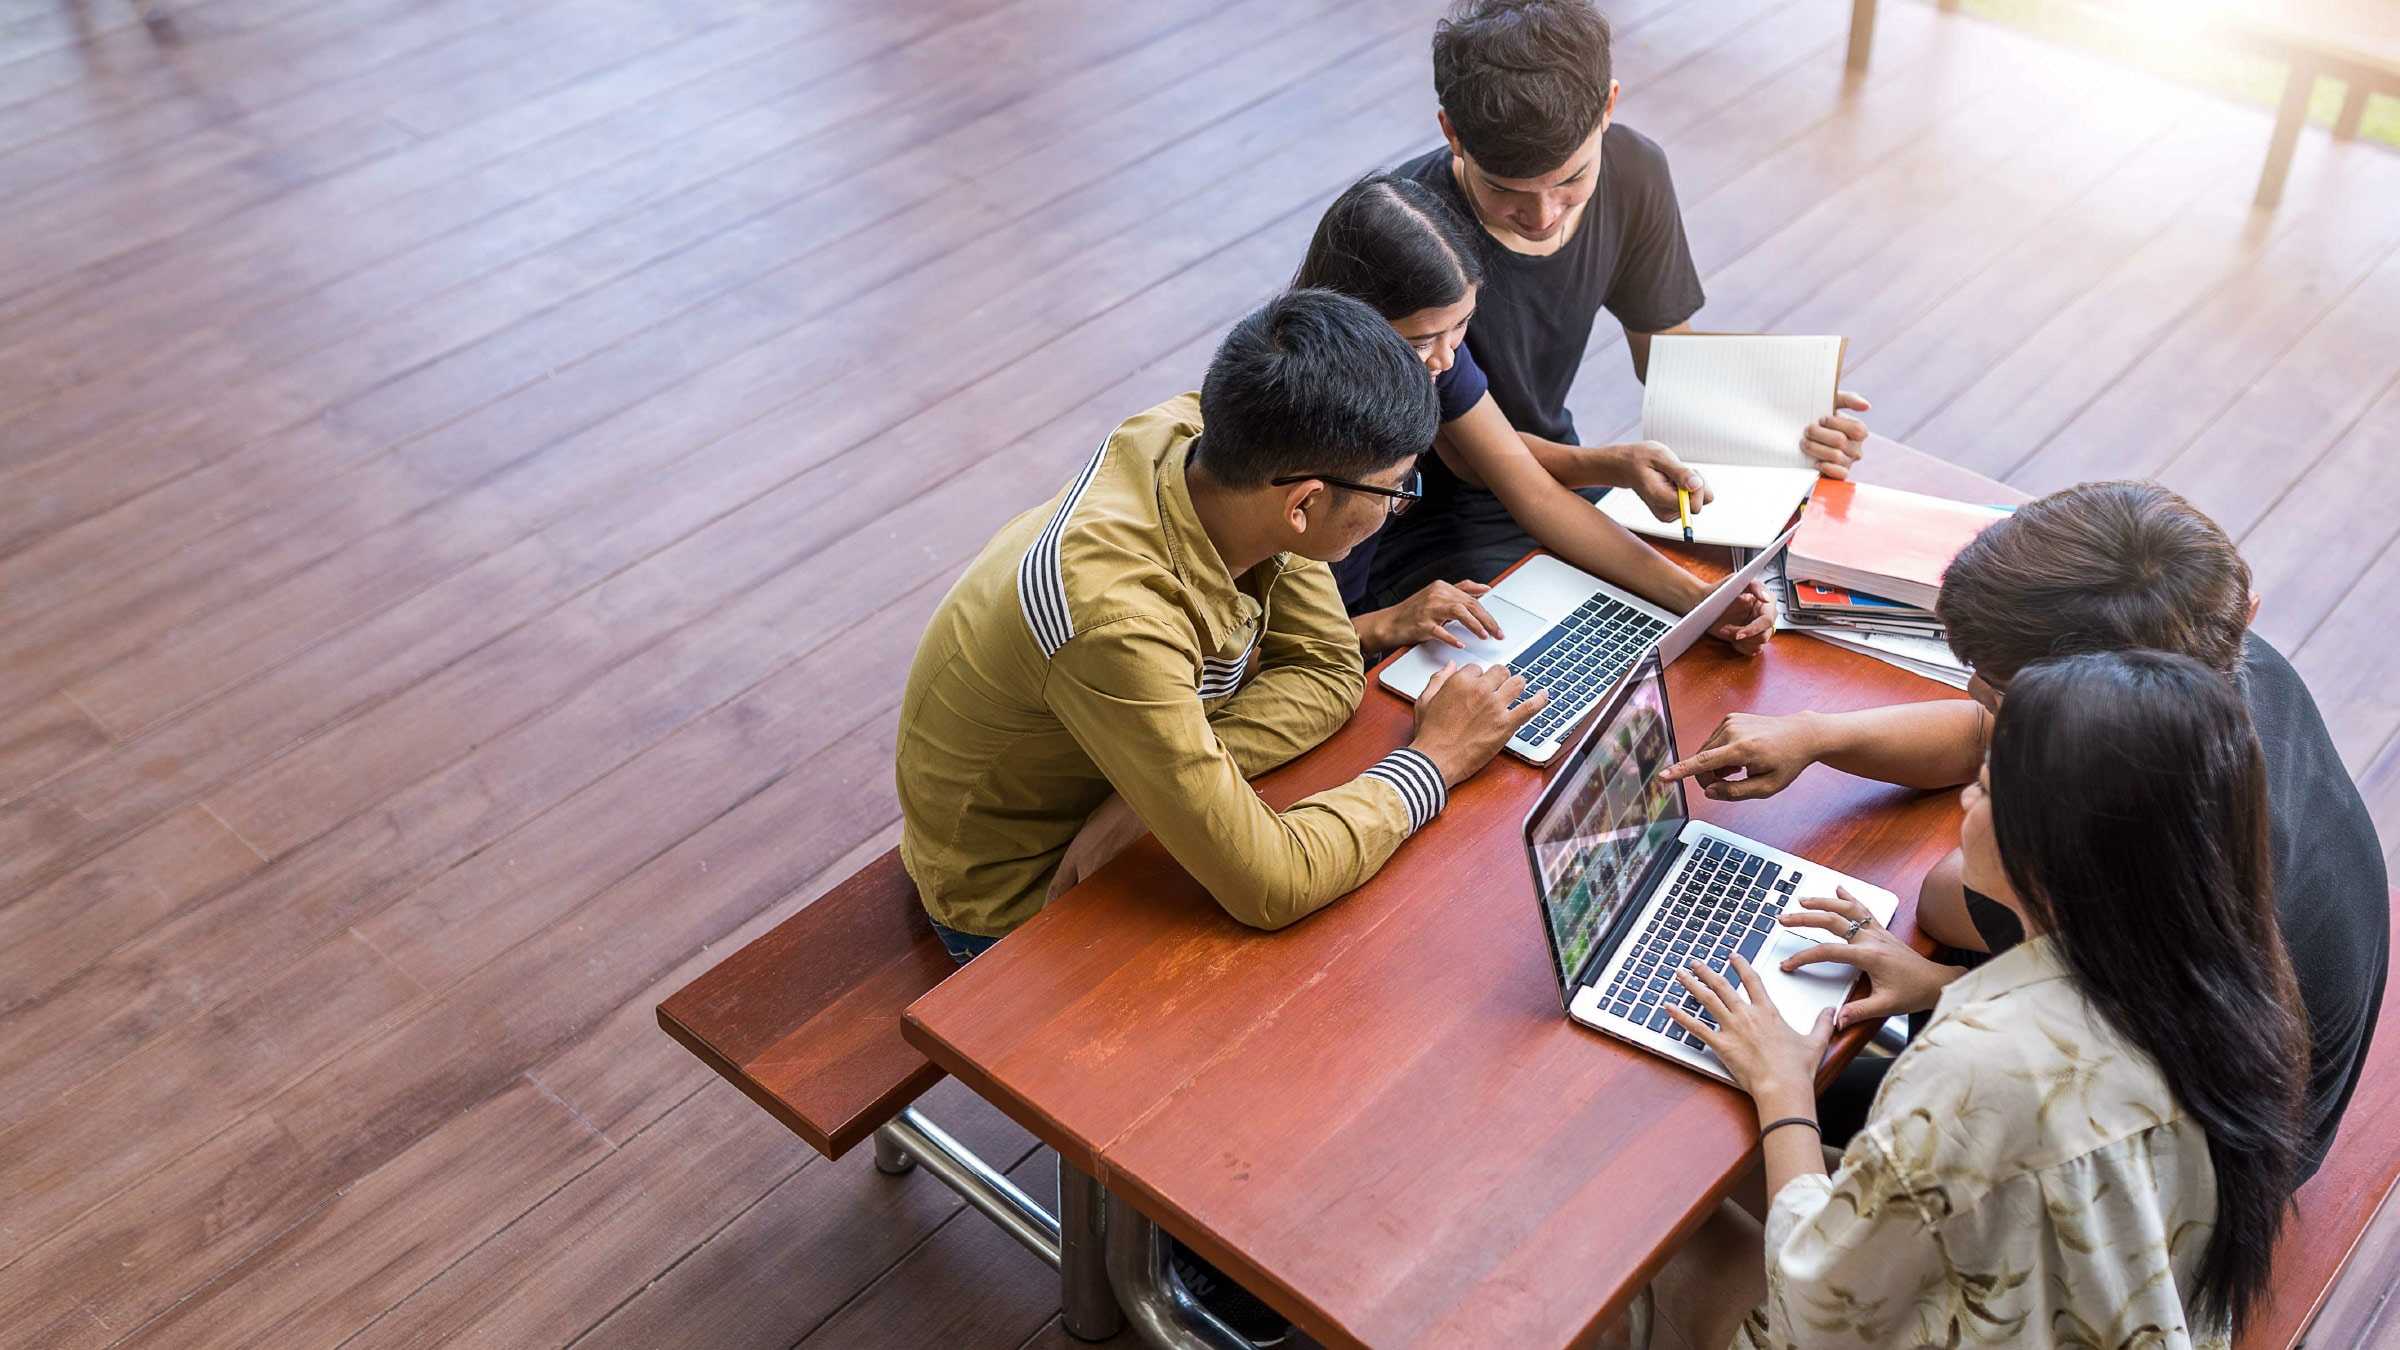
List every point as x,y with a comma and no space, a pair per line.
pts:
2023,1179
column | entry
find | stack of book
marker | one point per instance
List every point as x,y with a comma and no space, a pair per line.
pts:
1865,570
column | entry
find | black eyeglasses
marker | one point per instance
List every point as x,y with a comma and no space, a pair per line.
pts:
1400,498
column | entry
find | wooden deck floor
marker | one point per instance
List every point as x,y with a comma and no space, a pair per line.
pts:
471,477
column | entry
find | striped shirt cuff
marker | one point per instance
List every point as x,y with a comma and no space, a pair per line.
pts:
1419,784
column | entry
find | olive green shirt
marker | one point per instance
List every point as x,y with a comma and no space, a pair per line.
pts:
1098,643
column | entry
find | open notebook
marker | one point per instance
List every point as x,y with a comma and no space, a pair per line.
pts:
1735,406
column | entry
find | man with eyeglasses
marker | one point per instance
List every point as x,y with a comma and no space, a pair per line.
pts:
1125,657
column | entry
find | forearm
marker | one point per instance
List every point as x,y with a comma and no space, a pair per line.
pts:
1375,629
1568,526
1794,1150
1286,710
1921,745
1578,466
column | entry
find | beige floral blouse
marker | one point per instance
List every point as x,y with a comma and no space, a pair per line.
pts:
2024,1179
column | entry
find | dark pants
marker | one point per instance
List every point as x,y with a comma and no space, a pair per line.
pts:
963,947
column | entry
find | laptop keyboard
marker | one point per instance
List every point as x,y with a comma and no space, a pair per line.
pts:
1726,901
1579,659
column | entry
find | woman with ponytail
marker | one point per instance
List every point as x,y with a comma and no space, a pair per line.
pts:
1394,243
2094,1140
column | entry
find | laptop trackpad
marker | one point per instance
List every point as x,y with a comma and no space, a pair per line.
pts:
1803,991
1518,628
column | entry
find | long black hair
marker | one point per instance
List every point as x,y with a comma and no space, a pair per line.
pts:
1394,243
2129,803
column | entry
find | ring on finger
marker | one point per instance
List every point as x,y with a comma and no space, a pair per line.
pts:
1851,933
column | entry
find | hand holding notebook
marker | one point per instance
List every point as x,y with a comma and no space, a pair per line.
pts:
1737,408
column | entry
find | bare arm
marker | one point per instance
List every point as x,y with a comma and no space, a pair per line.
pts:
1483,441
1637,346
1921,745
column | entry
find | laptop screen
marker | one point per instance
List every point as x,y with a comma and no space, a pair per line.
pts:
1607,821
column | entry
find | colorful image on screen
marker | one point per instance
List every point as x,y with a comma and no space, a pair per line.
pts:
1602,831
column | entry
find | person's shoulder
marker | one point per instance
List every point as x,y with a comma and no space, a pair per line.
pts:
1102,556
2028,1078
1626,150
1431,168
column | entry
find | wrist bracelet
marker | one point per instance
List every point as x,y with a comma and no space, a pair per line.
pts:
1773,1125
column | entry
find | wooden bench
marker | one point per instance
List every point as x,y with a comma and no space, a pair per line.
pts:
2354,41
806,1020
2336,1264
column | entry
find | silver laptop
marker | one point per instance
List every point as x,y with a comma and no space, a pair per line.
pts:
1633,889
1572,634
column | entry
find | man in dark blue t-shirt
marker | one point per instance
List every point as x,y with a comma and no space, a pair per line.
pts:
1580,214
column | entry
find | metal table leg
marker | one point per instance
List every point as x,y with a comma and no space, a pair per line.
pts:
1638,1319
1088,1305
1162,1314
911,1136
1071,1242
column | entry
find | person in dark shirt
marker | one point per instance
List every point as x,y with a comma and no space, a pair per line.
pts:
2100,567
1392,243
1580,215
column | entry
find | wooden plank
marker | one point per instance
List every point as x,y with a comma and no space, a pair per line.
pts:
622,1074
509,681
195,1080
2344,662
1739,172
372,1243
2300,469
121,79
646,139
971,1286
2228,338
805,1232
2271,445
503,429
1936,226
57,932
2073,361
373,1085
557,43
42,738
664,97
806,1019
1912,372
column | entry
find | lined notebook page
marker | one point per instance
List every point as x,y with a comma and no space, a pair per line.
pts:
1737,398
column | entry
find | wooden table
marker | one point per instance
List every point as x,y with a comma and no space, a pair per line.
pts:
1379,1119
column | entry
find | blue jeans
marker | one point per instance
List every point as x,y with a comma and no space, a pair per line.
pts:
963,947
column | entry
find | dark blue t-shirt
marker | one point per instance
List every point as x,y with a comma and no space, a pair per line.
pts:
1459,388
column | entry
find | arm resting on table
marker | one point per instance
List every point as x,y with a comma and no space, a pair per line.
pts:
1310,676
1119,691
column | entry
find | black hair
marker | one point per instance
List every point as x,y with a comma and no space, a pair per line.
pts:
2129,804
1312,382
1524,82
1394,243
2097,567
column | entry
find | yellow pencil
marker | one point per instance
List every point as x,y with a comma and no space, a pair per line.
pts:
1683,507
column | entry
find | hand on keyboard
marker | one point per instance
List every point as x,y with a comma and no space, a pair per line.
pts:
1902,980
1467,713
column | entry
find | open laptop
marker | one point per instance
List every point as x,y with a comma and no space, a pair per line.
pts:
1632,888
1572,634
